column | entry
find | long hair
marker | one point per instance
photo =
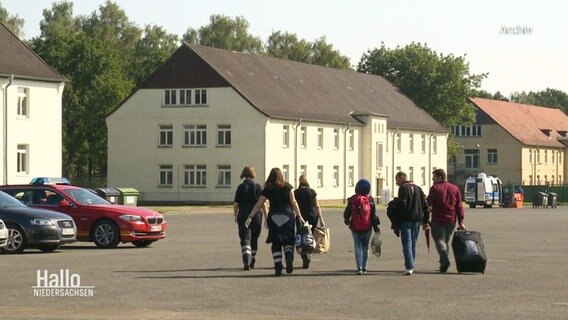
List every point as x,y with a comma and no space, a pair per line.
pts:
275,178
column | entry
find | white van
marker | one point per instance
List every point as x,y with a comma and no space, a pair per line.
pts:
483,190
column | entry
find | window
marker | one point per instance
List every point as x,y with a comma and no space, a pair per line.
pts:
467,131
351,176
545,156
471,158
351,139
336,139
423,176
23,159
185,97
411,142
538,156
166,176
195,175
423,143
223,176
23,102
452,158
303,137
530,156
492,156
398,142
411,173
166,136
224,135
200,96
379,156
170,97
285,136
560,179
182,97
195,135
336,176
434,144
320,138
286,172
303,170
320,176
553,155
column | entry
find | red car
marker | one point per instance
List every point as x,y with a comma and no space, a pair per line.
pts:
97,219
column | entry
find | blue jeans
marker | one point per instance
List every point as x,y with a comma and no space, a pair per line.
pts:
361,246
408,236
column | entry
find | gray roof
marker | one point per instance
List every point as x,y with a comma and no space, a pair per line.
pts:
286,89
19,60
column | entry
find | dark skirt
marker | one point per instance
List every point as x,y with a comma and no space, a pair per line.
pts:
281,227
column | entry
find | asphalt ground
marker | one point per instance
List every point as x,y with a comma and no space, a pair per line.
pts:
196,273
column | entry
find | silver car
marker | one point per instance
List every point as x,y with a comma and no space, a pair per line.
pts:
3,234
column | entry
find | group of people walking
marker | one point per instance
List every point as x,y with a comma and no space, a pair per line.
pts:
290,209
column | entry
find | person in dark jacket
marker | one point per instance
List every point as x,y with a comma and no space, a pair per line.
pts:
413,213
246,196
445,200
281,219
310,209
361,238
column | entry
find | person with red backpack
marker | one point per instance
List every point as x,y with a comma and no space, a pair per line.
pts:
361,218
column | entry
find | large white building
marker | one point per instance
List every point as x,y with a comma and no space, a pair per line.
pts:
31,99
186,133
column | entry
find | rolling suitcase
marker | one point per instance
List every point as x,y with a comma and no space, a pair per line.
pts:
469,251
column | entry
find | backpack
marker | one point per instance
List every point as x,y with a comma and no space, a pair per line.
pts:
360,213
305,241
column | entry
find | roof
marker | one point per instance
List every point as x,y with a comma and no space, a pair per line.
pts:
19,60
290,90
529,124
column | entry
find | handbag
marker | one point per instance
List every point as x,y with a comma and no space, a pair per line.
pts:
321,235
305,242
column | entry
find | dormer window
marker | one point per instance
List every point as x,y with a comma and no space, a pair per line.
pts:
562,133
546,132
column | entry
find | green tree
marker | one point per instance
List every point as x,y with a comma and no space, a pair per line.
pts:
225,33
13,22
287,46
440,84
487,95
151,51
546,98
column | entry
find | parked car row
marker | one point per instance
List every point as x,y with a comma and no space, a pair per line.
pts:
47,215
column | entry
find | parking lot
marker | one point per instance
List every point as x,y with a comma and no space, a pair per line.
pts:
196,273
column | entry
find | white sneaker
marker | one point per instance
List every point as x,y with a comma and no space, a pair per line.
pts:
408,272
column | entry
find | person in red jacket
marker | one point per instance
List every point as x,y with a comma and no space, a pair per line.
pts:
445,200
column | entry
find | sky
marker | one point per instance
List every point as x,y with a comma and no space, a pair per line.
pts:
520,44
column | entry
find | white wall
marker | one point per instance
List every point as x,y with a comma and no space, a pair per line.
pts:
41,131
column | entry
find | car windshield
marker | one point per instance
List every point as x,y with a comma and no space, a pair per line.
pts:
85,197
7,201
470,187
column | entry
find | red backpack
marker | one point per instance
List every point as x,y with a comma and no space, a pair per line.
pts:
360,213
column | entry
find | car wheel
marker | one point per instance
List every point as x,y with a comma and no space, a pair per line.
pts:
105,234
16,240
48,248
142,243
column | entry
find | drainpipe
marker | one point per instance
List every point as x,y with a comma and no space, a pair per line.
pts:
430,160
393,168
345,162
5,133
296,151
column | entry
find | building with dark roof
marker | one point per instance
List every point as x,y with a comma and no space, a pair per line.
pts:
206,113
522,144
31,98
